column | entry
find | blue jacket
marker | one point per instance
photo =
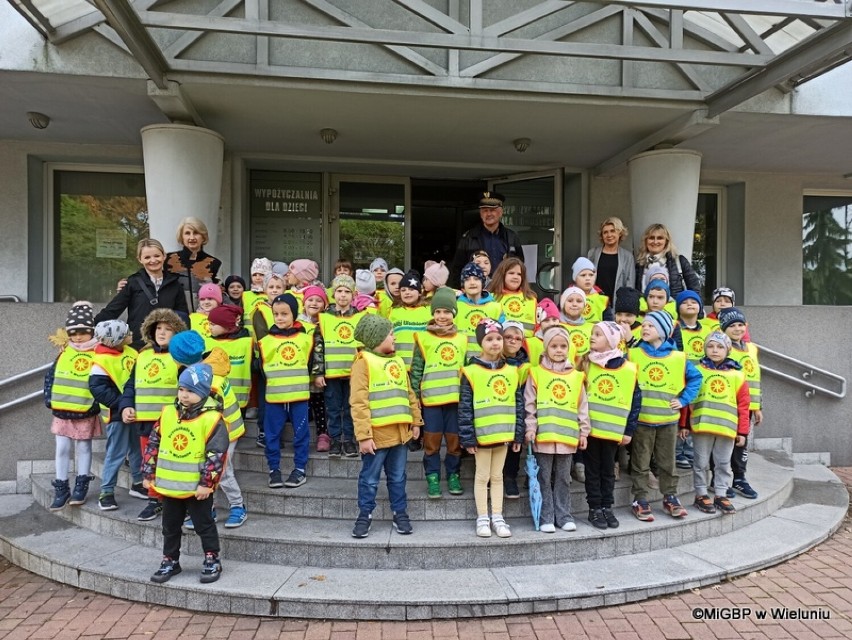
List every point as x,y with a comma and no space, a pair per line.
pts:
486,298
467,435
693,375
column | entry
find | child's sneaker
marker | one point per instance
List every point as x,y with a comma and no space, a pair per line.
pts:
433,486
569,526
261,440
151,510
454,485
362,525
673,507
81,490
236,518
402,523
724,505
168,568
579,472
138,491
106,502
548,527
510,488
275,481
609,516
350,450
744,489
61,496
323,443
705,504
596,518
729,493
682,462
296,479
335,450
642,511
211,569
483,527
500,527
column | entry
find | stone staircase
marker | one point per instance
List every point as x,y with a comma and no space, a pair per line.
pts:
295,556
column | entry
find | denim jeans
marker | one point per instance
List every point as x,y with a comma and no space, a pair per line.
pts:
339,416
392,460
276,417
122,442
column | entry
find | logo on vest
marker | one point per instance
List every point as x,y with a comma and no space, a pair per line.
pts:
696,345
475,318
748,366
605,387
578,340
153,371
394,372
288,354
587,310
344,332
718,387
656,375
180,442
500,386
447,353
82,364
514,306
558,391
127,363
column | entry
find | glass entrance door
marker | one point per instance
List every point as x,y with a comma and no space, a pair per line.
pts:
370,218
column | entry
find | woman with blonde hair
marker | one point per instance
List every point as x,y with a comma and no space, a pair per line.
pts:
614,264
194,267
657,248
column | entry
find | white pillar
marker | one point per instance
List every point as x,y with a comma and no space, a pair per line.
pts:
183,177
664,189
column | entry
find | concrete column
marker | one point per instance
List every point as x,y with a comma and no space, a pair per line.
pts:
664,189
183,177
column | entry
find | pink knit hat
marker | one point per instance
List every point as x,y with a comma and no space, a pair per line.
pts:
304,270
314,290
210,290
614,333
437,273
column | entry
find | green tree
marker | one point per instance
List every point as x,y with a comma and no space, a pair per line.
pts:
826,278
363,240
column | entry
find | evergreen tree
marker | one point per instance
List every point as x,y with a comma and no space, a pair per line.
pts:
826,279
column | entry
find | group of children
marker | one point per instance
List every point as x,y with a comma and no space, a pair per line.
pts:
382,354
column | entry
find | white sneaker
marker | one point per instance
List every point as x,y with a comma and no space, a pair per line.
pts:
579,472
500,527
569,526
547,528
483,527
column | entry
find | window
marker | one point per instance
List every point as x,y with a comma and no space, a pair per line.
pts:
99,216
705,244
827,249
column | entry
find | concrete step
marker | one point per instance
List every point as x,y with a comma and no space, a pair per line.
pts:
324,540
54,547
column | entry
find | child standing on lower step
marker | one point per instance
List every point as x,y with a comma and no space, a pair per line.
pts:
557,421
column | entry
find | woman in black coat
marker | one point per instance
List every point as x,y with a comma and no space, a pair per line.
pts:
656,247
192,266
148,289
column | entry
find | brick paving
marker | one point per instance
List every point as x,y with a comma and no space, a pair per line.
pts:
818,583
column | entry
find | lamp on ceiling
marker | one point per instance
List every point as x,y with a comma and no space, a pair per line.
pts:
38,120
521,144
328,135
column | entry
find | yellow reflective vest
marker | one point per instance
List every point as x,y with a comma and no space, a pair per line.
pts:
747,359
406,322
579,337
285,365
715,408
521,309
469,316
557,402
118,367
387,386
239,352
661,381
610,395
156,383
338,334
231,408
70,391
596,304
493,402
251,300
443,360
385,302
183,444
693,340
201,323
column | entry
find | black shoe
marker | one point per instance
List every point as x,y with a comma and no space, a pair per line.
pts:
275,481
260,441
350,450
362,525
211,569
106,502
402,523
151,510
510,489
609,516
596,517
335,450
61,496
414,445
167,569
138,491
81,489
295,479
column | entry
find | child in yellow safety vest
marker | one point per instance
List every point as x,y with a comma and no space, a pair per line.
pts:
209,297
274,284
365,291
435,276
557,422
386,414
627,309
435,372
572,302
519,353
302,273
491,418
192,438
113,363
389,296
720,420
511,289
75,413
475,304
315,302
584,273
151,385
409,316
614,404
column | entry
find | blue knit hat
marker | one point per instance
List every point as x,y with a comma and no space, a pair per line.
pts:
729,316
662,322
290,300
186,347
472,270
688,295
658,284
197,378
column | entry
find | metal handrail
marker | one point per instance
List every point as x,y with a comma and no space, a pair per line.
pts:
807,374
14,403
25,374
9,297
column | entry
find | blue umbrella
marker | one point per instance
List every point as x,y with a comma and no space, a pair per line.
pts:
534,486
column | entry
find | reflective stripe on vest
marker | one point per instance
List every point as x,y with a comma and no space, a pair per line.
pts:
661,381
239,352
610,394
387,386
118,367
493,402
444,358
557,402
747,359
231,408
521,309
468,317
715,409
338,334
201,323
579,338
285,365
406,321
156,383
183,444
596,304
693,341
70,391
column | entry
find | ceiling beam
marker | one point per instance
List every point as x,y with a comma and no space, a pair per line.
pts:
433,15
687,126
174,104
798,8
652,32
523,18
814,55
80,25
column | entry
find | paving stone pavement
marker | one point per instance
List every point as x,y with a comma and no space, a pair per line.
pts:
816,585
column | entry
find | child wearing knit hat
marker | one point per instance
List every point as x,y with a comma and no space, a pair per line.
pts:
520,352
379,267
435,275
209,297
627,312
584,273
554,385
668,382
491,418
313,304
573,303
411,315
389,295
259,268
386,415
75,412
720,421
475,304
511,289
438,353
365,287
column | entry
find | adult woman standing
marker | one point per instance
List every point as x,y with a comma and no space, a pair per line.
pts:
149,288
614,263
191,265
657,248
